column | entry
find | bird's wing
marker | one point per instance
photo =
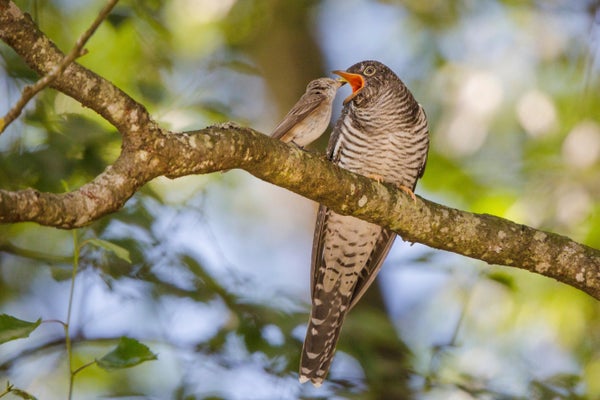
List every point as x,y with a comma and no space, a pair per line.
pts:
306,105
372,266
424,163
333,150
369,272
318,242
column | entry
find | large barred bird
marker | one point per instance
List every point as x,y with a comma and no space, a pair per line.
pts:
382,133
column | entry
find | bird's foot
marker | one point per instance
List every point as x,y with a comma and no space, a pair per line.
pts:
408,191
405,189
377,177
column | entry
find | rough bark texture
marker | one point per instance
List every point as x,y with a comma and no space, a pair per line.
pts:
149,151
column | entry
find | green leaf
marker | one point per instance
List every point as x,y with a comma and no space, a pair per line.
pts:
12,328
60,273
128,353
65,185
119,251
503,279
23,394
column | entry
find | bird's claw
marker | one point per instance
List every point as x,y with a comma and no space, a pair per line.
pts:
408,191
405,189
377,177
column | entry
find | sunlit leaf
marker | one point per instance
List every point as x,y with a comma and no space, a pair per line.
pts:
65,185
61,273
118,251
503,279
128,353
12,328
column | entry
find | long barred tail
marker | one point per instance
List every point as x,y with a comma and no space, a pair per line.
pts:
327,316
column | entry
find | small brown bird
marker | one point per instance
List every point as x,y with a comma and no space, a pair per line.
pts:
310,116
382,133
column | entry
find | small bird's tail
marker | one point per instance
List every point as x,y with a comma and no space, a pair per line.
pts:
324,326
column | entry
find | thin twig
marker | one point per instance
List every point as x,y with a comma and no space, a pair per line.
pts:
67,325
53,321
7,390
10,388
30,91
84,366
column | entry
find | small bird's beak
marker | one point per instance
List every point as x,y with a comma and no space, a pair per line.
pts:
355,80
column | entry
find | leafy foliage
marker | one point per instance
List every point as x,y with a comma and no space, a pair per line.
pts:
12,328
118,251
128,353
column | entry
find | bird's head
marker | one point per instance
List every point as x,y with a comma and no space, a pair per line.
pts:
325,86
366,79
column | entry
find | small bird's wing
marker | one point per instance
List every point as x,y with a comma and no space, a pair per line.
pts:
333,152
302,109
372,266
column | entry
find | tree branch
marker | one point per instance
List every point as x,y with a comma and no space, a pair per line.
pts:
149,151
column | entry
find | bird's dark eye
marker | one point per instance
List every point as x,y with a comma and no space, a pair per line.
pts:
369,71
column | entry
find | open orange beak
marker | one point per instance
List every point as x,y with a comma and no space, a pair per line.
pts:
356,81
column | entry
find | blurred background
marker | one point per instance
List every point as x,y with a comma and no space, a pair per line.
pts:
218,286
